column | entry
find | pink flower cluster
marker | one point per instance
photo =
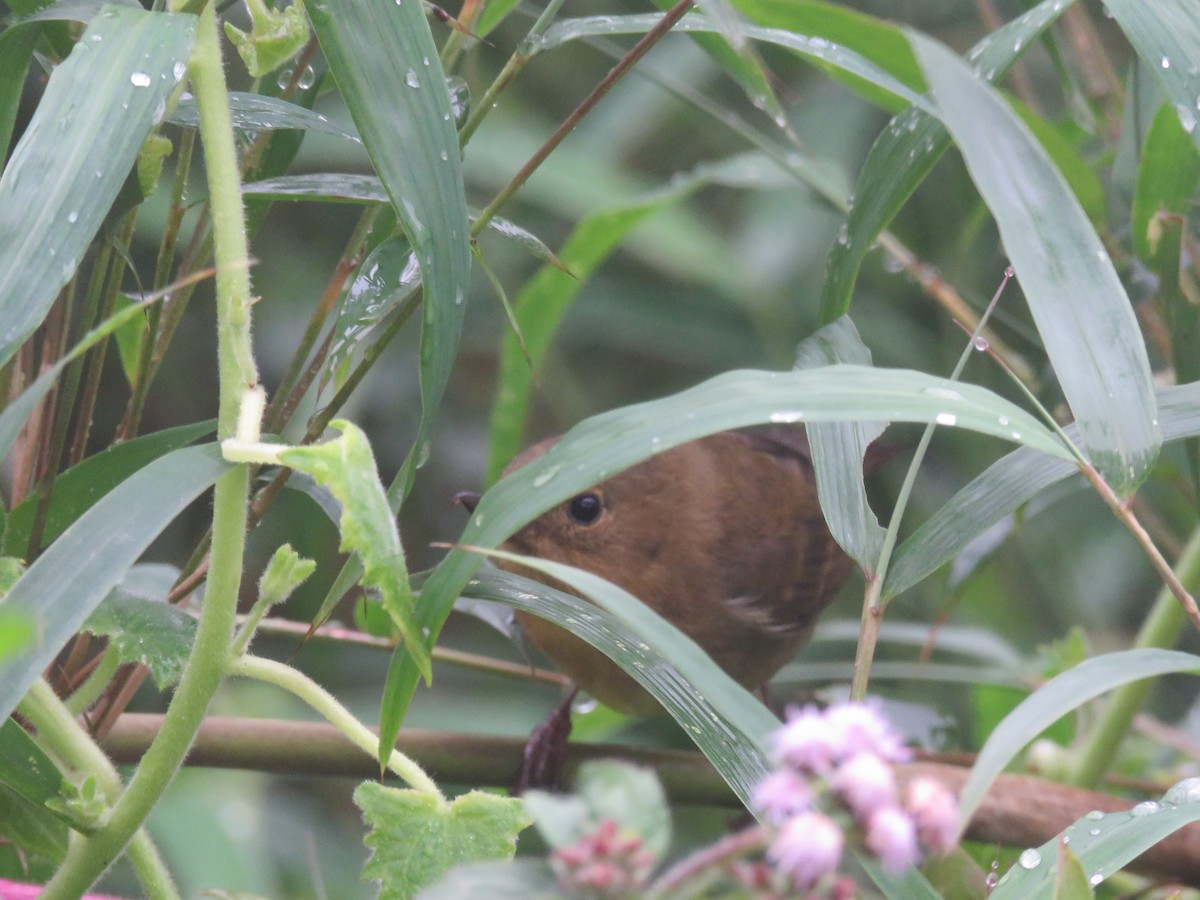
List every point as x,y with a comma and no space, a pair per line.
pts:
836,767
603,863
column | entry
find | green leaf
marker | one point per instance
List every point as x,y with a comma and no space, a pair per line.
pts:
1168,173
1071,882
31,827
77,489
1008,484
1166,35
1102,843
415,838
1083,315
16,632
524,878
629,795
347,467
72,160
16,50
1083,182
14,415
818,49
25,767
277,35
907,885
257,112
142,628
838,451
327,187
79,570
906,152
1055,699
386,65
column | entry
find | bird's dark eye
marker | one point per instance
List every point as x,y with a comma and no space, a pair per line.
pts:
586,509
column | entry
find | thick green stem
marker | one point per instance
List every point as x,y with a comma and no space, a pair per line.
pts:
1161,629
63,734
89,857
337,715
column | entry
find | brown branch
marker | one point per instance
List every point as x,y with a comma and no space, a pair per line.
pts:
1018,811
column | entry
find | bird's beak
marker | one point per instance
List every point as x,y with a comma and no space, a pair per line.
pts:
467,499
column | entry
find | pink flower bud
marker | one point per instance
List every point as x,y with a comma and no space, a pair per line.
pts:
805,742
934,809
781,795
892,837
861,727
807,849
866,783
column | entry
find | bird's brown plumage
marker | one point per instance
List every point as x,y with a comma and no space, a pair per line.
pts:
723,536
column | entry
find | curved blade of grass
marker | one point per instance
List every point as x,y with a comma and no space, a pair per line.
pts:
838,451
81,486
1008,484
18,411
258,112
60,590
906,152
72,160
816,48
1166,34
1056,698
16,50
1104,843
386,65
608,443
1085,319
728,723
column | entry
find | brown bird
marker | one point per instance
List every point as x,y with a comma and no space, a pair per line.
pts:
722,536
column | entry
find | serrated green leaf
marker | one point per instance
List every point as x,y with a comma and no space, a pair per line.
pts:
519,879
72,160
906,152
631,796
79,570
347,467
1056,698
145,630
77,489
415,838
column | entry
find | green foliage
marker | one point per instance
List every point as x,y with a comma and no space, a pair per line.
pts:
414,839
146,631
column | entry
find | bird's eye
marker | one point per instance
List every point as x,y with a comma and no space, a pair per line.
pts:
586,509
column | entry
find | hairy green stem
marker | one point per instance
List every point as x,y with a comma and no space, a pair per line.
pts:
59,729
1161,629
88,858
337,715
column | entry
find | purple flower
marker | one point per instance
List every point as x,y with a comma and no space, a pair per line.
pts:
934,809
805,742
861,727
866,783
781,795
892,837
807,849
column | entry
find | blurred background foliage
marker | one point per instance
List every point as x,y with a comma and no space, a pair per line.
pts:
724,277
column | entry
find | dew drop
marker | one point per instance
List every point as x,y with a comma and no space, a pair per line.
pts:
73,216
787,417
179,70
943,393
479,521
411,79
945,418
1165,63
139,79
1145,808
1186,791
546,476
1095,878
980,343
1029,859
1095,815
1002,421
307,78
